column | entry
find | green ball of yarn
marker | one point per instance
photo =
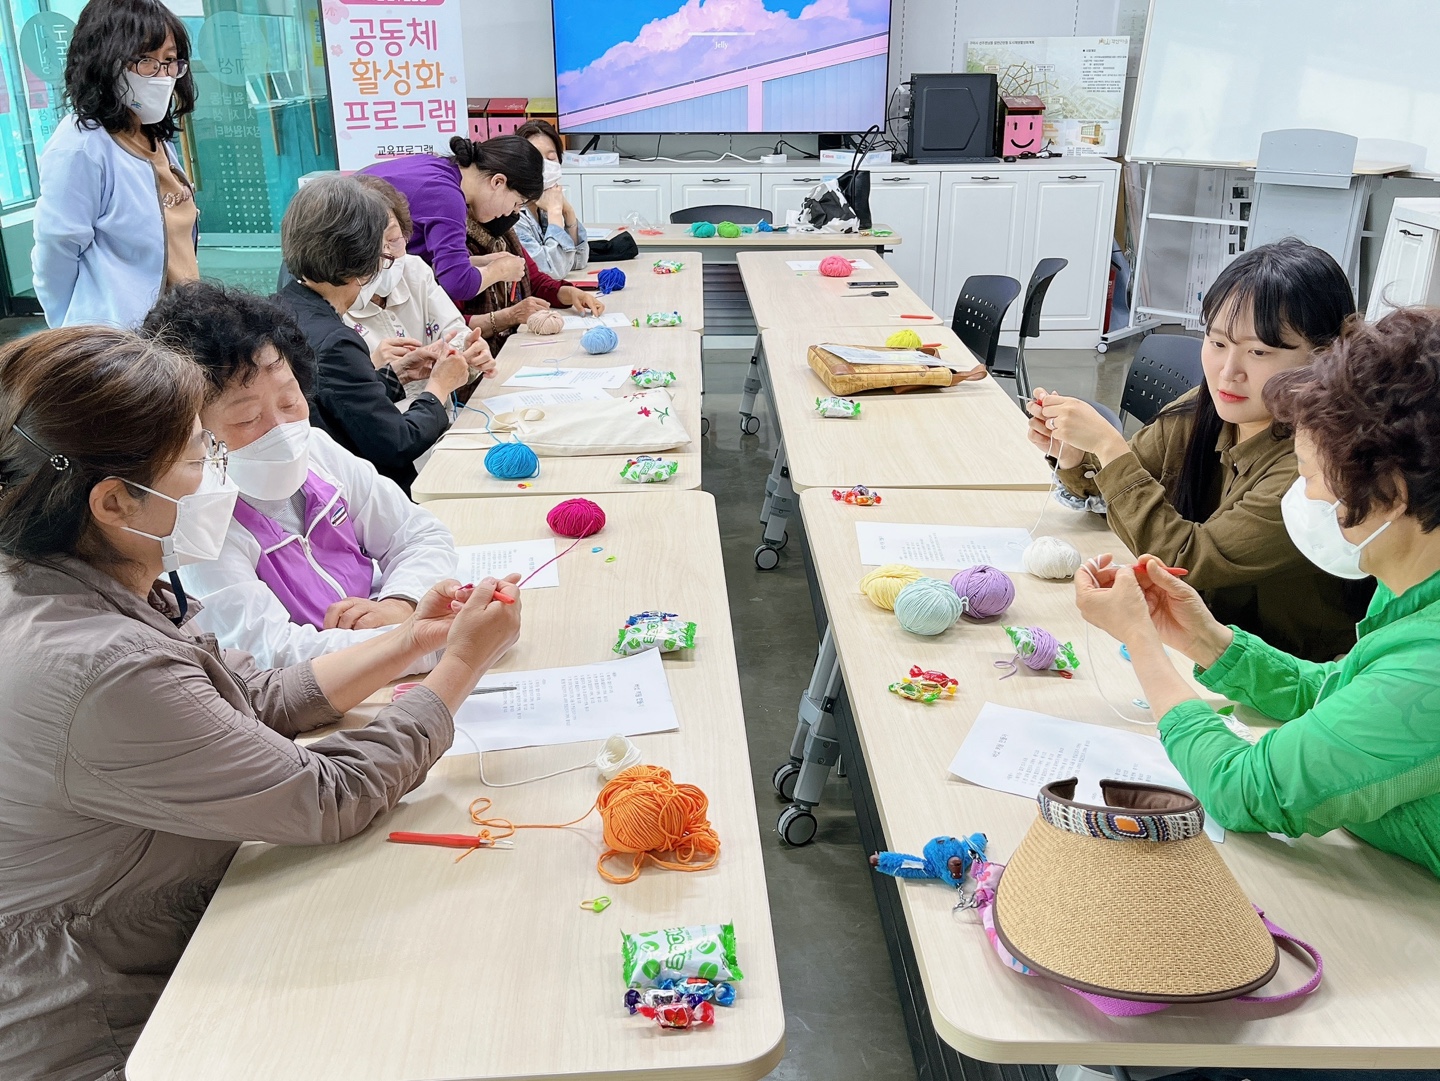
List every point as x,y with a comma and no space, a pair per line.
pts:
728,229
928,606
702,229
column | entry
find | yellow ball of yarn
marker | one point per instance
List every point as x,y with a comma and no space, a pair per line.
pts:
904,339
884,584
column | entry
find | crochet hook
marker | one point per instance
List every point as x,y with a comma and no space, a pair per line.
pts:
919,317
401,688
447,840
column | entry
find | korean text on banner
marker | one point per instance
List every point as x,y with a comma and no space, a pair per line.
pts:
397,77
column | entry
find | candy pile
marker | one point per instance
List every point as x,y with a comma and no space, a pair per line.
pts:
664,631
647,470
676,977
925,686
651,377
668,266
858,496
837,407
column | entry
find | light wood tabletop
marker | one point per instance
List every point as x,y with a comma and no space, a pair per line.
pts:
646,291
371,961
457,467
967,436
675,236
781,296
1375,917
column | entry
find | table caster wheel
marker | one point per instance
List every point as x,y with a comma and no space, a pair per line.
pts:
796,827
1102,347
784,540
750,424
704,425
767,558
784,779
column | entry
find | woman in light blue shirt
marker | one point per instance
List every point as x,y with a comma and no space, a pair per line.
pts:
116,220
549,228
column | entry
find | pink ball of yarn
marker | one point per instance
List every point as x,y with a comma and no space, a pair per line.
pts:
576,518
546,322
987,591
835,266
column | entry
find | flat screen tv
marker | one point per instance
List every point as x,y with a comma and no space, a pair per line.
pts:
721,66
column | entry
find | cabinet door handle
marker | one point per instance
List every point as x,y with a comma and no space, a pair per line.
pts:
893,179
1407,232
1074,176
807,180
717,179
627,180
984,178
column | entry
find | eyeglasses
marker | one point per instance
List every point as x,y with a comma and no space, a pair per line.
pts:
387,261
147,67
217,454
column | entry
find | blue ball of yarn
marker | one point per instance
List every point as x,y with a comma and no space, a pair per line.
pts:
610,280
511,461
928,606
702,230
599,340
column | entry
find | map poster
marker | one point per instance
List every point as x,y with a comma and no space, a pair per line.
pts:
1081,80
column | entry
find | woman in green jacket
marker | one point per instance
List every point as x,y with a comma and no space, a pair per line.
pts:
1359,748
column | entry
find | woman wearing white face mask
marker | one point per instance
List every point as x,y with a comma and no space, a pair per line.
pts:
1359,748
549,229
138,755
116,219
321,550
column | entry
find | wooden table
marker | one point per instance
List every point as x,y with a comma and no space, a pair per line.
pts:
676,236
645,291
453,472
782,297
1375,917
370,961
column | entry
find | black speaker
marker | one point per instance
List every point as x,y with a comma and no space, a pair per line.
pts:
952,117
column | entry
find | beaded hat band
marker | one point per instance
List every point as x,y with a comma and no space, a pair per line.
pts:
1155,822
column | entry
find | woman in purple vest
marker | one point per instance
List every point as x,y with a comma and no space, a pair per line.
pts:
322,551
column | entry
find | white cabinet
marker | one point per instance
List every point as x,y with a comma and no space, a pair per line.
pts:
1407,273
785,192
906,200
982,228
609,198
715,188
1071,216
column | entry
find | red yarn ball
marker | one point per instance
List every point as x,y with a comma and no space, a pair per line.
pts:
835,266
576,518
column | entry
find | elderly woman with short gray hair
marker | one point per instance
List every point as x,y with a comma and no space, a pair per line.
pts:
332,240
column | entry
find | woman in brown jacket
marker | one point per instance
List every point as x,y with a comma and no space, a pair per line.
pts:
1200,486
138,756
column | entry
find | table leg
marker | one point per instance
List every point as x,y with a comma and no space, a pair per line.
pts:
772,482
749,422
782,504
813,750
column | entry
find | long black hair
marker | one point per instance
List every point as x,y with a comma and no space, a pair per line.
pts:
1291,289
109,35
512,157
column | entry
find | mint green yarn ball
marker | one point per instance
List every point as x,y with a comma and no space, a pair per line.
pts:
928,606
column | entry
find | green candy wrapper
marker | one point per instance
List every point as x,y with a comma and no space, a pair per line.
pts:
659,319
648,470
1023,639
651,377
666,633
837,407
707,951
668,266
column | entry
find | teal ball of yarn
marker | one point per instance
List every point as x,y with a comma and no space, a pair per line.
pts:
511,461
928,606
599,340
702,229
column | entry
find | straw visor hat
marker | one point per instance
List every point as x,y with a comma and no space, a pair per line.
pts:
1130,900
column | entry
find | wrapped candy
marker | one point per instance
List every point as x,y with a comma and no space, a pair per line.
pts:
691,991
668,266
664,631
931,676
647,470
659,319
679,1014
651,377
837,407
1040,651
924,686
651,957
858,496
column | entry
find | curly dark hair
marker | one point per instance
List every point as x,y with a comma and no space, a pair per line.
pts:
109,35
223,329
1371,403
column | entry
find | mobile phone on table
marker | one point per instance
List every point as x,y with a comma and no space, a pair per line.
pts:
874,285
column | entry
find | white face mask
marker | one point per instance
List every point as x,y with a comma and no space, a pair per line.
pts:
384,283
552,173
1314,526
148,98
366,292
276,464
201,521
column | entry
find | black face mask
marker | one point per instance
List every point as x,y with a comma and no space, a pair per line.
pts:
498,227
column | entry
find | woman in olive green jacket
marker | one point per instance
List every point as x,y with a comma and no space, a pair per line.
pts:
1359,748
1200,486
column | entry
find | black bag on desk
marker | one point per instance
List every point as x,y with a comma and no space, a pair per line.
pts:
855,186
618,248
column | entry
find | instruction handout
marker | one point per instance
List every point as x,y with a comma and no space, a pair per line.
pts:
479,561
950,547
814,264
548,376
505,403
853,354
585,322
1018,751
629,695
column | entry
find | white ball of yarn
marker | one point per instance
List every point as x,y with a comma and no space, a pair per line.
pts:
1051,557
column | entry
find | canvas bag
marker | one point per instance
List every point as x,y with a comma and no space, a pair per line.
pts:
633,424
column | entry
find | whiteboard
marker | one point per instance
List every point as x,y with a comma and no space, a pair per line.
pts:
1216,74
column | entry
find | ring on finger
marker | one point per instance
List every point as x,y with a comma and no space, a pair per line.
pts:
1050,424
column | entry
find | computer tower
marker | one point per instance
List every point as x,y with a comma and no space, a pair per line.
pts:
952,117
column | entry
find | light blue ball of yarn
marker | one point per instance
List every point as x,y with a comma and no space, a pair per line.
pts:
599,340
511,461
928,606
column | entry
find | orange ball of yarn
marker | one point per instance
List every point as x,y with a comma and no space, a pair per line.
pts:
646,814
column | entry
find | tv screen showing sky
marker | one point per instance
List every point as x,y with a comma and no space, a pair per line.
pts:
721,65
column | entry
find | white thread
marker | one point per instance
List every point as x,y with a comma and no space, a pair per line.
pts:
617,755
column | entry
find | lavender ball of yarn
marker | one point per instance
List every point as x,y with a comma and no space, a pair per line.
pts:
986,591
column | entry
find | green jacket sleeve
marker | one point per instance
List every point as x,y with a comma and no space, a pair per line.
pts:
1364,750
1264,678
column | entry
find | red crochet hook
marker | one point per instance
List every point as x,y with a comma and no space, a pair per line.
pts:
919,317
446,840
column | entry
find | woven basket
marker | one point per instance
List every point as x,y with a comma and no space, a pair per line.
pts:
844,378
1131,900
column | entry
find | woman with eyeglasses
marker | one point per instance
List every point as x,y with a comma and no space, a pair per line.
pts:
332,239
139,755
116,221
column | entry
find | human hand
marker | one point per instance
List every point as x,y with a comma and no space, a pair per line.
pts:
450,373
1077,425
360,614
478,356
502,267
391,350
581,301
1040,435
483,627
430,623
417,364
552,201
1112,600
1180,614
518,313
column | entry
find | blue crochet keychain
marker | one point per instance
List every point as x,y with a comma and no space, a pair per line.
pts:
945,858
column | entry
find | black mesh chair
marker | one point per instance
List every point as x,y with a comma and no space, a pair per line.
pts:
980,309
1010,360
1165,367
718,212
